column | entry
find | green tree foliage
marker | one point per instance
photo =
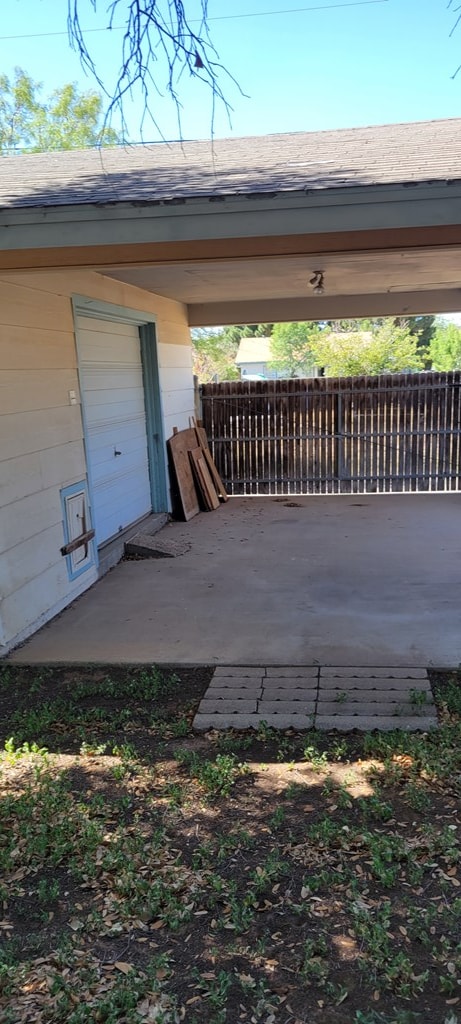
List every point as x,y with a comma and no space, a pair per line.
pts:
292,349
67,119
214,351
236,333
387,349
422,327
445,347
213,355
341,347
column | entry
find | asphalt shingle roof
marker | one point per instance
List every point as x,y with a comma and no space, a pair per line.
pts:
423,151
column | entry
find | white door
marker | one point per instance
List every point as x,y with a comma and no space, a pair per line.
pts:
112,394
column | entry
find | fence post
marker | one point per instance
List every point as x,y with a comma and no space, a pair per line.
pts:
339,438
197,399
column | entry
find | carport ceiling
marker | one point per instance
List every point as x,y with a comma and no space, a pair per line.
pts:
288,277
225,288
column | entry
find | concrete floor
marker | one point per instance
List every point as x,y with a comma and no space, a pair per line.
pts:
340,580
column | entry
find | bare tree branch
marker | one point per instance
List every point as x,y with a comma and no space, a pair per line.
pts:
454,27
159,45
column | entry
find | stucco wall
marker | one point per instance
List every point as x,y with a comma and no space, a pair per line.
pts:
41,434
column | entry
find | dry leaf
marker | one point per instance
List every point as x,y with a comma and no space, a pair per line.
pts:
123,967
75,924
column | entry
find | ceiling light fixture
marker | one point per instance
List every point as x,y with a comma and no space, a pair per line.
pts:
317,282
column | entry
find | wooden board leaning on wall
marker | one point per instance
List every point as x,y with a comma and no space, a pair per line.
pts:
196,481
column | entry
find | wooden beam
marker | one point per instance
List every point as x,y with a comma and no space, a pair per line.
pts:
102,256
82,540
324,307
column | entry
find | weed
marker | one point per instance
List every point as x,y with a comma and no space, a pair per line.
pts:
238,840
277,819
268,872
392,968
14,753
217,776
317,760
343,798
240,913
418,698
450,695
175,794
375,807
125,750
417,796
314,966
145,684
265,733
48,890
397,1017
294,790
179,728
338,750
32,724
215,991
285,749
228,743
120,771
6,677
89,749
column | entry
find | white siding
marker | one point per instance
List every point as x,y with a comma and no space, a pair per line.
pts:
176,384
41,433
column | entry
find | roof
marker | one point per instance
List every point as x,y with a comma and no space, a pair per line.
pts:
424,151
254,350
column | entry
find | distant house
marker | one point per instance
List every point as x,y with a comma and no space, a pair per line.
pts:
254,358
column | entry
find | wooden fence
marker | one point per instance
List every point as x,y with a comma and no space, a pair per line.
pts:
396,432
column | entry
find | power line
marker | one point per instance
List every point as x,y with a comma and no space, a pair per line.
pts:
219,17
297,10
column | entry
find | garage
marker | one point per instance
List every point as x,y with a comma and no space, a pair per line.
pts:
196,235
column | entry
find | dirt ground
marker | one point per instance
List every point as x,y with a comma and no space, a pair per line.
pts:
150,874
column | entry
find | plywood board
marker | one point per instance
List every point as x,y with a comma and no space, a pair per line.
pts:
203,479
203,442
179,446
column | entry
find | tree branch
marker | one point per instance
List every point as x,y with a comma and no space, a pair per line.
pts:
158,41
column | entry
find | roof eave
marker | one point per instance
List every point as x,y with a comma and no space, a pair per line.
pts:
311,210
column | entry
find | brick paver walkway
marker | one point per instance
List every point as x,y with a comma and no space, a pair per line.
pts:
303,697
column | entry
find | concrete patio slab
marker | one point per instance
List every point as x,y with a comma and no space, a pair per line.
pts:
331,581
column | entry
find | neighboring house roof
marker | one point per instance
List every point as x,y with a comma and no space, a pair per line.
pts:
254,350
420,152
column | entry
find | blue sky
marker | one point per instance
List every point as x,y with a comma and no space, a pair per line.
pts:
337,64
